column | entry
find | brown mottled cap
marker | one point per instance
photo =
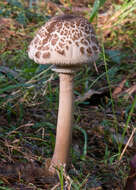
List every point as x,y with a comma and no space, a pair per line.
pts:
65,40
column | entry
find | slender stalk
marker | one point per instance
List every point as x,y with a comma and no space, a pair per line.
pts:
64,123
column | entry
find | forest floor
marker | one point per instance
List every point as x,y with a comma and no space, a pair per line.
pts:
104,138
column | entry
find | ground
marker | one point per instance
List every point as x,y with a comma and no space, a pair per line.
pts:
105,101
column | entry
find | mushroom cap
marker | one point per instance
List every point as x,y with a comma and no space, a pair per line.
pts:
65,40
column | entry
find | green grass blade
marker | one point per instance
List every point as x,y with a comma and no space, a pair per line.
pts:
85,140
126,126
96,6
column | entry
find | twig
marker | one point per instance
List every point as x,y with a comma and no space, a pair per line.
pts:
57,185
22,126
131,136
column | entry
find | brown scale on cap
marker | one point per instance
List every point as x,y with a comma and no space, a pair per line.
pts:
54,41
38,54
82,50
64,40
46,55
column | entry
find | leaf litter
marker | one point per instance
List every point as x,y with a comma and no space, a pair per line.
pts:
23,149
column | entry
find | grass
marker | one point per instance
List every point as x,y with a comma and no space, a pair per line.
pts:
29,101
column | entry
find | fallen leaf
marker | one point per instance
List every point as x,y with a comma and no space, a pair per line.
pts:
130,91
118,89
87,95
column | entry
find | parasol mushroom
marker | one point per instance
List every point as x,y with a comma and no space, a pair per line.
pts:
67,42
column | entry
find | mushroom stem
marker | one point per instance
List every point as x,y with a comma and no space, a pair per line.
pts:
64,123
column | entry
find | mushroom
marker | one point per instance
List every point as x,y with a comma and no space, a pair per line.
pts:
67,42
